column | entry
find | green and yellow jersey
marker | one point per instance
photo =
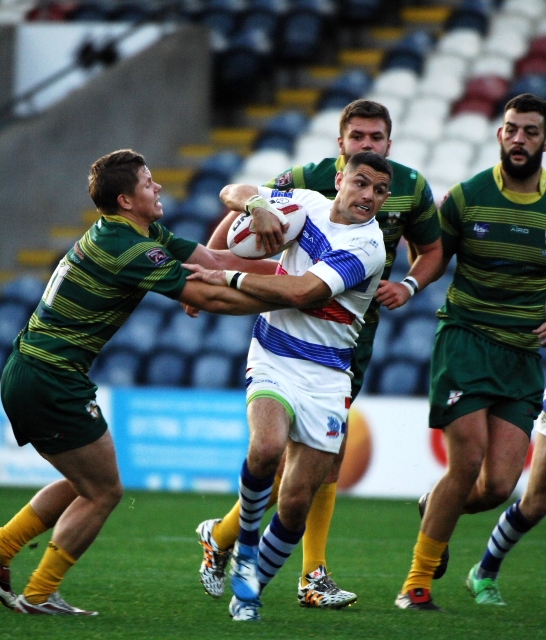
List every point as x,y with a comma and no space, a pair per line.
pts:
499,237
96,287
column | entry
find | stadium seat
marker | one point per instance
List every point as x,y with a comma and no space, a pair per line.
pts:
281,131
197,229
472,15
302,32
117,367
399,378
415,337
490,87
465,43
141,330
313,148
359,11
203,184
348,87
220,16
183,333
230,335
531,65
262,165
409,53
13,317
425,118
166,368
468,127
325,122
537,47
449,160
224,164
27,290
527,84
264,15
411,151
203,205
241,66
401,83
488,156
442,84
532,9
492,65
474,105
212,371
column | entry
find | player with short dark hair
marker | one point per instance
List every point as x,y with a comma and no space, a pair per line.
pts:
46,392
486,377
298,375
410,212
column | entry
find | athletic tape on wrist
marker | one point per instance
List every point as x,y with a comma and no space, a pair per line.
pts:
262,203
229,276
408,287
411,283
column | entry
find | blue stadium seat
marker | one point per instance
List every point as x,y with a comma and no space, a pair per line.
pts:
166,368
231,335
264,15
118,367
202,205
400,378
212,371
221,16
532,83
140,331
203,183
352,11
350,86
27,290
302,31
242,66
471,14
410,52
89,12
13,317
224,164
415,338
183,333
190,228
281,131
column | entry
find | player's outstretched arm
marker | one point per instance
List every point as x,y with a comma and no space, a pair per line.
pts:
286,291
225,300
224,259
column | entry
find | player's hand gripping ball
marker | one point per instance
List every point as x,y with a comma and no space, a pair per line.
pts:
241,237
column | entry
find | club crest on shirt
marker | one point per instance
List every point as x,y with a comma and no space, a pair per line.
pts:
454,396
284,179
157,256
393,217
334,428
481,229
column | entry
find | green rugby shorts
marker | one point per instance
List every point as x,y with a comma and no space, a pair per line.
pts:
470,372
53,409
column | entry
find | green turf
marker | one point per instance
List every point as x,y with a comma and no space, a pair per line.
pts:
142,575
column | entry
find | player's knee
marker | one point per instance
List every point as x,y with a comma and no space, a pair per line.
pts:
495,493
293,509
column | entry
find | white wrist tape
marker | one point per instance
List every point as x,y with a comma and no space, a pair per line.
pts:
408,287
229,276
262,203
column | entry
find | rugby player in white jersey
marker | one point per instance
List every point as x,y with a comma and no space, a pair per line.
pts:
298,377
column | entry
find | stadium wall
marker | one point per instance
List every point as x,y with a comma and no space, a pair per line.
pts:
196,440
153,101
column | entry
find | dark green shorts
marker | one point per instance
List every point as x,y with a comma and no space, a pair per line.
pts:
469,372
362,356
53,409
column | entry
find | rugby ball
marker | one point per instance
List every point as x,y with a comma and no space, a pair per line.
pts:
241,237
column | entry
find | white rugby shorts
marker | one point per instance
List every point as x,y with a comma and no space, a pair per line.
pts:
318,420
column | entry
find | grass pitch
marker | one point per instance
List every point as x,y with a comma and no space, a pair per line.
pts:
142,576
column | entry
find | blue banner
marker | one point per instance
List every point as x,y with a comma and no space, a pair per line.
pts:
179,440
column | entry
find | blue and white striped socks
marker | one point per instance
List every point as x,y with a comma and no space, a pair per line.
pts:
276,546
511,527
254,495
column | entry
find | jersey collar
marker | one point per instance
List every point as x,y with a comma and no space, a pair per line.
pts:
514,196
123,220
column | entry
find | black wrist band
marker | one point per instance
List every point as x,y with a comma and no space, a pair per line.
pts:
233,283
412,283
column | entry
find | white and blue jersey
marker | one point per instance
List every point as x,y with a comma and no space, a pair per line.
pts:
350,260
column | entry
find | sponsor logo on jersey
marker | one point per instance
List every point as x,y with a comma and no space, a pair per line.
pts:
481,229
393,217
307,235
93,409
284,179
157,256
278,200
515,229
252,380
454,396
281,194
